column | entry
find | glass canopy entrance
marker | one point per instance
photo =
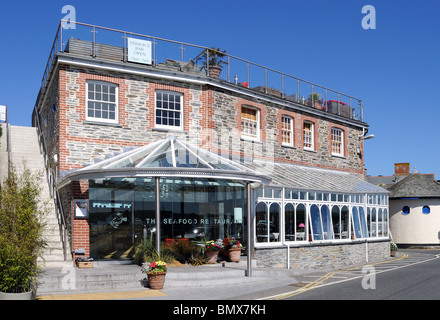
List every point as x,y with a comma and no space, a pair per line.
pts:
168,189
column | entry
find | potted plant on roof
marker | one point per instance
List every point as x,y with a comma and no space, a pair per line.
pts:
314,100
212,60
156,272
232,248
211,251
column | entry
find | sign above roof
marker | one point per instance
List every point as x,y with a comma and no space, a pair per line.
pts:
139,51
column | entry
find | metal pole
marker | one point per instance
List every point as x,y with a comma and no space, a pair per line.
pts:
247,71
250,230
124,54
158,215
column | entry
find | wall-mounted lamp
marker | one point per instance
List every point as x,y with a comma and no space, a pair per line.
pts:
370,136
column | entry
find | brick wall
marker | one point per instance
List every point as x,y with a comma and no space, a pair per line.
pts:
80,230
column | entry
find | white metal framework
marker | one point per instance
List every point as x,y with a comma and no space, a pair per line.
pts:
301,217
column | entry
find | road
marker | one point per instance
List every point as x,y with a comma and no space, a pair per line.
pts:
414,275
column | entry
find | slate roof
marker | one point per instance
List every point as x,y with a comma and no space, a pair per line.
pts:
415,185
310,178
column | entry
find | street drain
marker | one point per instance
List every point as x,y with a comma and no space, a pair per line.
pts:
299,284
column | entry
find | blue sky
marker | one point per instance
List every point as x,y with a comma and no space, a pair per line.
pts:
394,69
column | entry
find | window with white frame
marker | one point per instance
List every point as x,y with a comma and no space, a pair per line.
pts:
268,222
250,123
337,142
308,136
287,130
169,110
102,102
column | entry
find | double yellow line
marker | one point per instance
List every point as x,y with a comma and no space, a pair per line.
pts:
306,288
320,280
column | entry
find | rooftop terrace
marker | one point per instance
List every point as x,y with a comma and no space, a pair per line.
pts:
163,54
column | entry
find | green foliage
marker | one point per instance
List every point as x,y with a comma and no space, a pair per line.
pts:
182,251
214,57
393,246
146,252
315,97
21,231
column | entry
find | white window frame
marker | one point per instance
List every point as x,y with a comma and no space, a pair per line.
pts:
290,121
337,138
244,135
312,136
168,127
116,102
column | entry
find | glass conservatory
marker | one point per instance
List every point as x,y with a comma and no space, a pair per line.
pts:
305,205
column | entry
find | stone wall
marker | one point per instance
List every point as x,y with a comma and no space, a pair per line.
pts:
212,120
322,257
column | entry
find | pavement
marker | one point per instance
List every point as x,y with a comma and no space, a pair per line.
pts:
223,281
266,284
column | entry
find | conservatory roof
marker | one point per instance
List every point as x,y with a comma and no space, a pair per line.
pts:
310,178
164,158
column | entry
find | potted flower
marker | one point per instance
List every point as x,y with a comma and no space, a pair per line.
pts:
233,248
156,272
317,100
393,249
212,60
211,251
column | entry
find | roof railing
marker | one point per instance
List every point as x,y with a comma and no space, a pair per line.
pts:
108,43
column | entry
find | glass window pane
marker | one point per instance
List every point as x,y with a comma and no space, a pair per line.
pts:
261,221
345,222
356,223
326,223
301,223
274,223
363,222
289,218
315,220
336,222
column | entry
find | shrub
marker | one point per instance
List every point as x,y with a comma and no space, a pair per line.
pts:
21,231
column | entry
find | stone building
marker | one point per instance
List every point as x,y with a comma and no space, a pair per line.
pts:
144,146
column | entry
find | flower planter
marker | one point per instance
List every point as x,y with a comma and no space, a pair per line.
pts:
156,280
211,256
393,253
234,255
16,296
214,71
